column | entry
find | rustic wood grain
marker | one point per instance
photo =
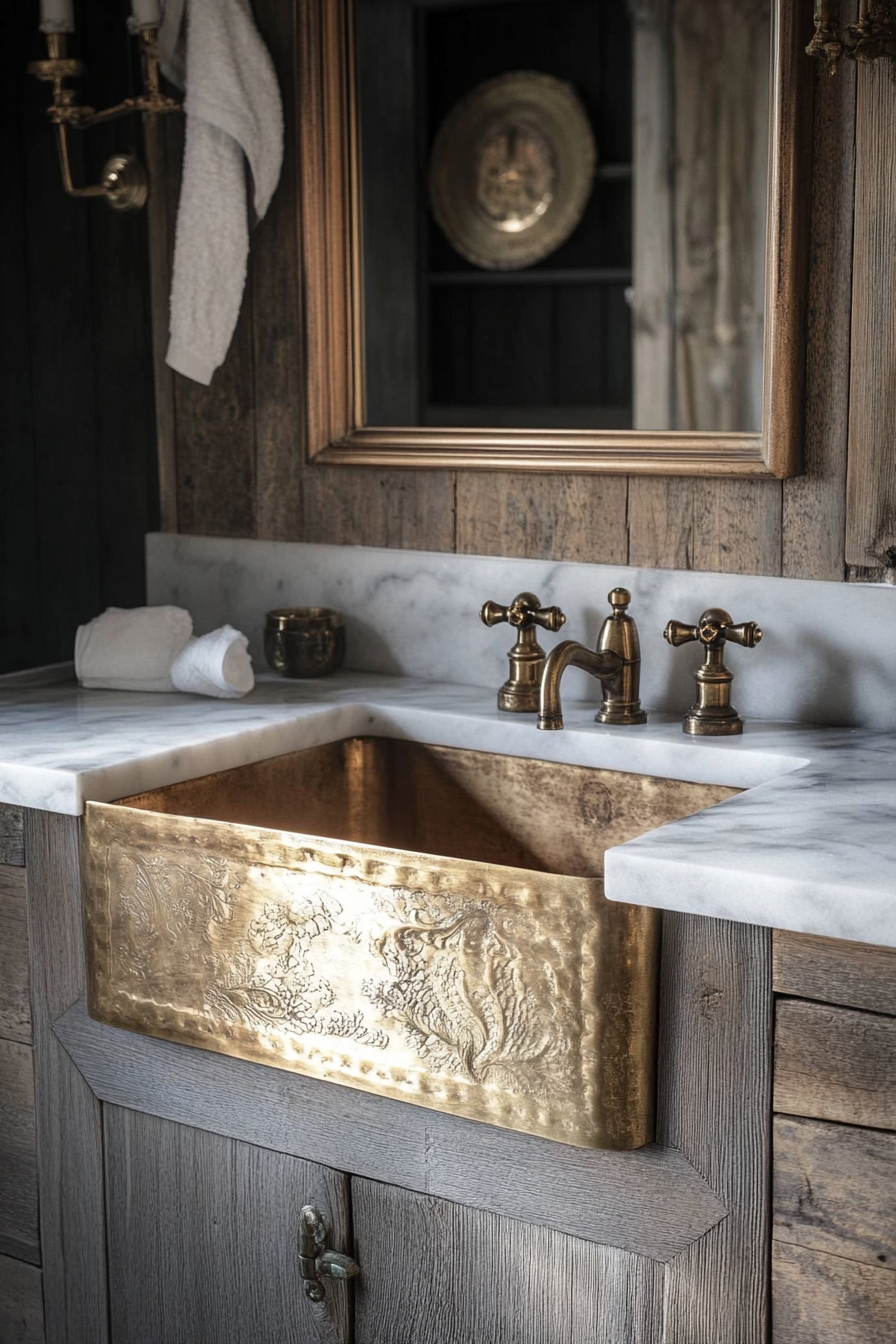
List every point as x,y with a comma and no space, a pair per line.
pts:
650,1201
542,517
21,1303
216,442
835,1064
15,979
436,1273
12,844
70,1165
714,1104
366,507
164,178
814,516
823,1299
835,1189
274,284
871,476
858,975
18,1154
732,527
203,1235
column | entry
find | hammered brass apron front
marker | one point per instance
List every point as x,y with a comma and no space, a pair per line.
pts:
421,922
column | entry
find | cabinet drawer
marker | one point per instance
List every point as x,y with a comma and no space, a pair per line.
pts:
18,1154
858,975
835,1190
15,1003
835,1064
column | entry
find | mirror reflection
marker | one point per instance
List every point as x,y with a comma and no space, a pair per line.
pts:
564,212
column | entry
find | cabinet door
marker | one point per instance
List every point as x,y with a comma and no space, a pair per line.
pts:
434,1272
203,1238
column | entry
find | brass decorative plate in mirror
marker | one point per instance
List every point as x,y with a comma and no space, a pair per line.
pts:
511,170
659,333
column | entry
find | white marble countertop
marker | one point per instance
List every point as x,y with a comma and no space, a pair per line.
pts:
810,844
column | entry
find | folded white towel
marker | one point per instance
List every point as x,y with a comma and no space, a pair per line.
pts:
216,664
233,109
131,650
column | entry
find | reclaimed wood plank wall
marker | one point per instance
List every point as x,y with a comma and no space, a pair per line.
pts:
233,460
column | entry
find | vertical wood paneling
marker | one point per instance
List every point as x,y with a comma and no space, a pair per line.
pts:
276,300
203,1244
69,1135
542,517
162,134
871,478
434,1272
733,527
361,506
815,504
714,1103
21,1303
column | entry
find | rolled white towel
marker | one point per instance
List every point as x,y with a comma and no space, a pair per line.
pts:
215,664
131,649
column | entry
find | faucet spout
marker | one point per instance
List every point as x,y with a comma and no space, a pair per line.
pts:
606,666
616,663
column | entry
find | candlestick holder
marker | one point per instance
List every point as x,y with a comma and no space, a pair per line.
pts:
124,183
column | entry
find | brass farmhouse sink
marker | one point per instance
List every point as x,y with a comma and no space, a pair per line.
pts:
422,922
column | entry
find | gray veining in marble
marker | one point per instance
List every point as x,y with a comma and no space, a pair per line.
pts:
828,654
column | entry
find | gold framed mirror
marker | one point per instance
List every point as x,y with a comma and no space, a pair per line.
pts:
338,428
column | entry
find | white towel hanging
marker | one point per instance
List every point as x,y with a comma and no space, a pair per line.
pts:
234,116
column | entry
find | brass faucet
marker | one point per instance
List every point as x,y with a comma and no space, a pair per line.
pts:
713,714
616,663
519,694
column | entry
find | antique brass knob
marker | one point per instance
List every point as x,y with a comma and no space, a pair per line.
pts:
519,694
713,715
315,1261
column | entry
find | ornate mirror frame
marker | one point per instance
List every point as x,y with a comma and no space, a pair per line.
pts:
330,243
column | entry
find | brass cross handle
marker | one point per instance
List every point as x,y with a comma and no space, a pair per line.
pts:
519,694
315,1261
712,715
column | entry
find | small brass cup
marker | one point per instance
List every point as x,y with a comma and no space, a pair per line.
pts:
304,641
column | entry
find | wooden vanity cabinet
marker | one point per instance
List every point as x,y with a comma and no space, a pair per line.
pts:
834,1237
171,1179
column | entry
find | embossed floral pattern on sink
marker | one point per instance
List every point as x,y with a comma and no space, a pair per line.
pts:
421,922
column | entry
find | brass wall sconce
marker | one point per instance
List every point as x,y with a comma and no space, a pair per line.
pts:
124,183
874,34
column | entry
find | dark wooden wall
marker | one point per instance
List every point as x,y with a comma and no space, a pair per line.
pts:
77,426
232,454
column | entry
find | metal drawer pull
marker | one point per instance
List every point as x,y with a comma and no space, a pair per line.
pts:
315,1261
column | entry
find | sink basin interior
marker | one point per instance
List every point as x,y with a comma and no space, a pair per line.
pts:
447,801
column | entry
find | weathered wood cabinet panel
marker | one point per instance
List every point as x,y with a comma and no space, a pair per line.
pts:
434,1272
18,1154
15,977
834,1238
823,1299
835,1190
203,1238
858,975
21,1303
835,1064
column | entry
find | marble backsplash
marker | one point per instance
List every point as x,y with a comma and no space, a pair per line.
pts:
828,653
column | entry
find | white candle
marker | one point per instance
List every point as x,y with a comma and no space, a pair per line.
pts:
57,16
146,13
